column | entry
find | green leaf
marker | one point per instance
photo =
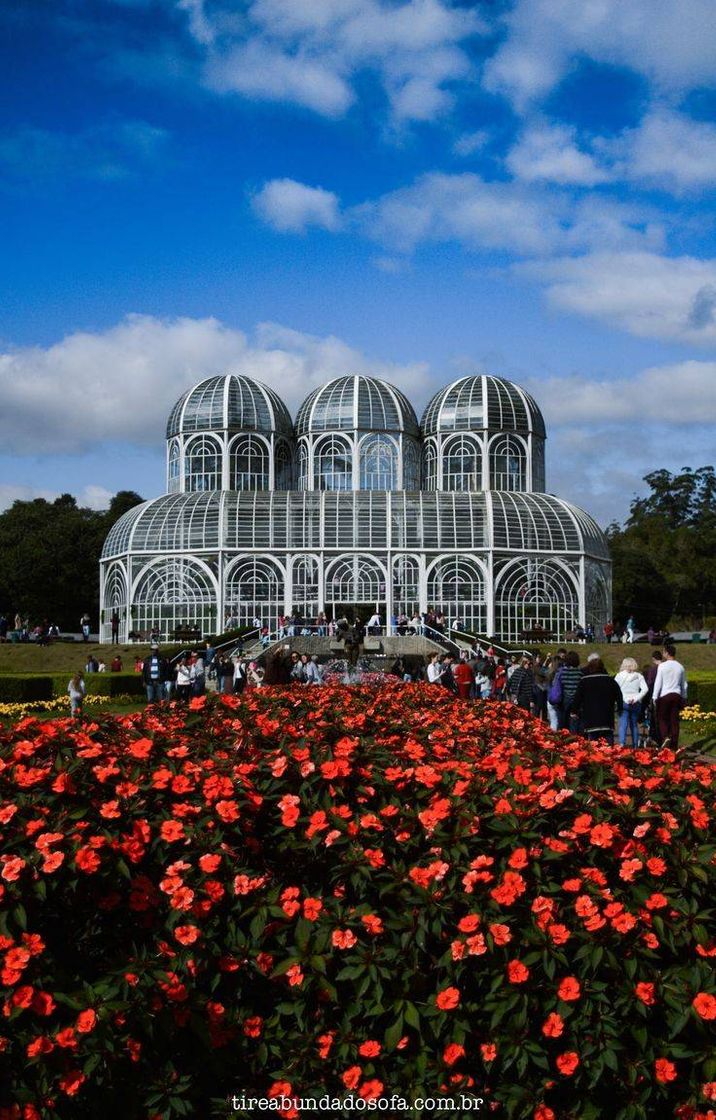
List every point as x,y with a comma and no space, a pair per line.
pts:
412,1018
394,1034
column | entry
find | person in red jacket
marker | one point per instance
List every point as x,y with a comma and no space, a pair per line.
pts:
464,678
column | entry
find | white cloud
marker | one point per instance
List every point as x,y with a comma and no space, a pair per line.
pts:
311,53
666,150
91,497
683,393
119,385
670,42
550,153
291,207
644,293
471,142
502,215
265,72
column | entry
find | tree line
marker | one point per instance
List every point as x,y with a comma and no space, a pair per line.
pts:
49,558
664,554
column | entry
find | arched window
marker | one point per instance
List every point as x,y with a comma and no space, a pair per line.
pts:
355,579
538,479
249,462
115,598
535,593
411,465
508,464
462,465
430,466
174,466
305,586
378,464
406,585
333,464
202,464
175,593
597,608
303,479
254,588
456,586
283,466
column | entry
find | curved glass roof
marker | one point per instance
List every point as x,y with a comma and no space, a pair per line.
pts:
483,402
356,403
351,520
229,401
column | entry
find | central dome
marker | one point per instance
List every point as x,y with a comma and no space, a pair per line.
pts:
356,403
229,402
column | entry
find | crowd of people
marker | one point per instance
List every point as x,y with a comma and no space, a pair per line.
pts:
570,696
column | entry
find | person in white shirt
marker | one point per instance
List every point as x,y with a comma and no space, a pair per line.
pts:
374,624
313,673
634,689
670,691
435,669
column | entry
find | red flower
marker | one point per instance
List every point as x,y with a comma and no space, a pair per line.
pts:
12,866
71,1082
645,992
452,1053
569,989
517,972
602,835
488,1051
553,1025
371,1090
351,1077
448,999
253,1026
500,933
705,1005
87,860
187,935
372,923
172,830
369,1049
343,938
567,1063
86,1021
664,1070
469,923
312,908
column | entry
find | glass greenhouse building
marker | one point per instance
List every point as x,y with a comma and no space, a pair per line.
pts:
357,506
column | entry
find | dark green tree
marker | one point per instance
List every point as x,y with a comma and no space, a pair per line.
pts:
673,530
49,557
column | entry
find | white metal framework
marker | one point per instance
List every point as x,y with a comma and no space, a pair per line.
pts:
260,521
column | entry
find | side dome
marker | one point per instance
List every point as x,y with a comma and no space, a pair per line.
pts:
483,403
229,402
356,403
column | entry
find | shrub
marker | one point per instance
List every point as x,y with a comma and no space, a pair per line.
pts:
18,688
351,891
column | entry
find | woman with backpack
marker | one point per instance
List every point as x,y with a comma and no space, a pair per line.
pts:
569,676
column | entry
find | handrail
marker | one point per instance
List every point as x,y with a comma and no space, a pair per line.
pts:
221,645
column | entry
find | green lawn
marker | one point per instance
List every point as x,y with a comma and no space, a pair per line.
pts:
63,657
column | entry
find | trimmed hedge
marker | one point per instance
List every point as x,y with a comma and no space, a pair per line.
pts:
703,693
24,688
20,688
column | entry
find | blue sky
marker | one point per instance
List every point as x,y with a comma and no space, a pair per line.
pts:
414,188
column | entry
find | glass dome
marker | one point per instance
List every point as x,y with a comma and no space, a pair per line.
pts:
356,403
480,403
229,402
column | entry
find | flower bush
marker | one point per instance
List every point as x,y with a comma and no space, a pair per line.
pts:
356,891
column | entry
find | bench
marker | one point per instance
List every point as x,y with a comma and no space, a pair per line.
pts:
538,635
186,634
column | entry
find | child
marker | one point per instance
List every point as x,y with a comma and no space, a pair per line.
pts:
76,689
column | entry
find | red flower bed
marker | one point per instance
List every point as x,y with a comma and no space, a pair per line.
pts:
351,891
